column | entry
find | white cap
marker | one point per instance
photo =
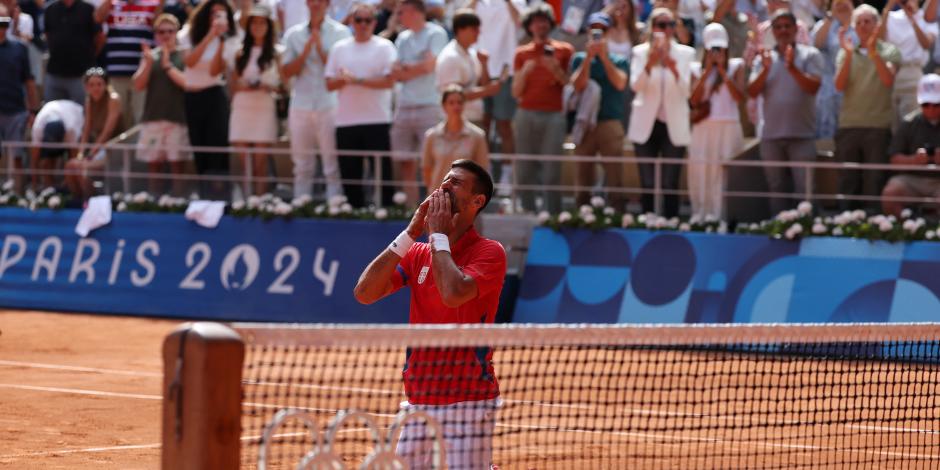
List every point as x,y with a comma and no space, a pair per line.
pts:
715,35
928,90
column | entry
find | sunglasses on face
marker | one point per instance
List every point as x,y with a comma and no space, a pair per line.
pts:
664,24
361,20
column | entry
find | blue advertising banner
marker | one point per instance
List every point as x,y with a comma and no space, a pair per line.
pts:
164,265
636,276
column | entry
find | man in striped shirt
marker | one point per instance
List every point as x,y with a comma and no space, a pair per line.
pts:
130,25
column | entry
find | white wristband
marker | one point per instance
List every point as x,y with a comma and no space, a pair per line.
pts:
439,242
401,244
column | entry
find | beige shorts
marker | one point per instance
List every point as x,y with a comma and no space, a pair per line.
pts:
918,186
157,141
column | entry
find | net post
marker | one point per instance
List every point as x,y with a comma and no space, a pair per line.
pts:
202,373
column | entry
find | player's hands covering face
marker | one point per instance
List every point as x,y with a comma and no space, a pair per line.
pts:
441,216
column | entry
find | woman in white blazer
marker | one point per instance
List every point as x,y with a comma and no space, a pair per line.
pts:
660,75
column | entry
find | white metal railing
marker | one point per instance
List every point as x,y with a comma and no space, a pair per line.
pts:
124,154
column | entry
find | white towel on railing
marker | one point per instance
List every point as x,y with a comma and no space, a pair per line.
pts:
96,214
205,213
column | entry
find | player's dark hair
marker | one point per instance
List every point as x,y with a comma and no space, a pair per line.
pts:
416,4
539,11
484,182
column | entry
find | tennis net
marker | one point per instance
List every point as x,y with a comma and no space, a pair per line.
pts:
588,396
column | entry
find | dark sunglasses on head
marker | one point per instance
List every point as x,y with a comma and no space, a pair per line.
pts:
361,20
930,105
5,22
664,24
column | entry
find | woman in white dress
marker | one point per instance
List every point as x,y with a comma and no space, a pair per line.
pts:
255,79
718,137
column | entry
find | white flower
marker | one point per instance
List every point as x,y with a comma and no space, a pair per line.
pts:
30,194
642,219
22,203
117,196
804,208
609,211
336,201
333,210
238,205
5,199
695,219
267,197
141,197
301,201
381,213
346,208
47,192
885,226
837,232
858,215
723,228
398,198
586,209
709,229
254,202
565,216
709,218
165,201
55,201
930,235
938,233
544,217
910,226
122,206
685,227
608,221
589,218
906,214
597,201
793,231
673,223
627,220
892,218
819,229
753,227
319,209
128,198
283,208
878,220
8,185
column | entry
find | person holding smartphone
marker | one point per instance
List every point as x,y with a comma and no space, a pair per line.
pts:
719,86
209,42
541,74
865,76
660,75
915,147
610,71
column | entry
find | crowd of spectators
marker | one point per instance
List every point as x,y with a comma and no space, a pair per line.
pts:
449,79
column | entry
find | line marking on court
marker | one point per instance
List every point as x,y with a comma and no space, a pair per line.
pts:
37,365
78,391
645,436
893,429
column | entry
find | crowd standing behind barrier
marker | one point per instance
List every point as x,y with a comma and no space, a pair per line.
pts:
609,77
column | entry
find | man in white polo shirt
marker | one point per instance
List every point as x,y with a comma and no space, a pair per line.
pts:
914,37
460,64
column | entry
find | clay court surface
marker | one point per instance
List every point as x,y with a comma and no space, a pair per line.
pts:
84,391
80,391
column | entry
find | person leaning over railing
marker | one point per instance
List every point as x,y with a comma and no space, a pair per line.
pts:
58,122
865,77
163,123
102,122
916,144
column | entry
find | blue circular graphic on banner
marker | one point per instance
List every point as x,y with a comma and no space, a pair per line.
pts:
662,269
